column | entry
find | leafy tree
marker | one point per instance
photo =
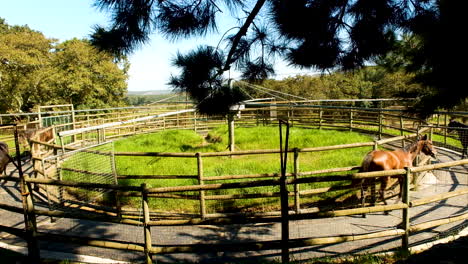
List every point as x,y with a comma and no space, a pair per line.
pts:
24,67
86,77
35,70
321,34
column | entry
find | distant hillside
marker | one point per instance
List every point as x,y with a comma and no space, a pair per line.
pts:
151,92
148,97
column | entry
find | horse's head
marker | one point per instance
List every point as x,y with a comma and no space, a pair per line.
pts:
427,147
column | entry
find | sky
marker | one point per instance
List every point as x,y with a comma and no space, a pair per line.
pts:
150,64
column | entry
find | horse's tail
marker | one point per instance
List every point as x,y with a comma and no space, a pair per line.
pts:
366,162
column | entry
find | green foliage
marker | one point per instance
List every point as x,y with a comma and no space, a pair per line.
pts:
35,70
87,78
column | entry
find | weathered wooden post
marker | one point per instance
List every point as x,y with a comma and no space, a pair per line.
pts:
200,182
297,201
195,121
146,226
351,119
401,131
49,204
445,130
118,206
73,122
320,117
231,131
406,216
380,124
28,209
62,144
60,177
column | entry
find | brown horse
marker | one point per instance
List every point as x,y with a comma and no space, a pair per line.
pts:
43,135
5,158
379,160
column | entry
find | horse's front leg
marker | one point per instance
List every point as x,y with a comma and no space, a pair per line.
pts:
383,187
400,194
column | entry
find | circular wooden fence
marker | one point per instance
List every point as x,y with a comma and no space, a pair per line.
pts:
389,126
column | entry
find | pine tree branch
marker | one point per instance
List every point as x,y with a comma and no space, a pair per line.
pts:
242,32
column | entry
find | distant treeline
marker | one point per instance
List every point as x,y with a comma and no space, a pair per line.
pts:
367,83
142,99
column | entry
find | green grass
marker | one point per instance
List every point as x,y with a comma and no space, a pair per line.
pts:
246,139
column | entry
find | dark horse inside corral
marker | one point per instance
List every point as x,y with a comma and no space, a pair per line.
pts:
379,160
462,130
5,158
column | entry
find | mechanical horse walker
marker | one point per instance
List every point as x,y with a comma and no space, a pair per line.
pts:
380,160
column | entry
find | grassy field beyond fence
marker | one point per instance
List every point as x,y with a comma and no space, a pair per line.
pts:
262,137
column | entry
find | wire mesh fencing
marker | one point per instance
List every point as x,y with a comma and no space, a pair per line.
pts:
87,165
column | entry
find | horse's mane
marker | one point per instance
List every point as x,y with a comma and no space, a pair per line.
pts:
407,148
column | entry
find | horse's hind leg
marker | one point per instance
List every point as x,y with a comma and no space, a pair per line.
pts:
363,198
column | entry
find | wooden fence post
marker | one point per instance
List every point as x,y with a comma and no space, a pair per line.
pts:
380,124
406,216
351,119
28,209
60,177
320,118
231,131
445,130
195,121
200,181
297,201
49,204
291,117
146,227
118,206
284,220
284,199
401,131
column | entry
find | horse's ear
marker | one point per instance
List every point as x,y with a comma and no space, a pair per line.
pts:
424,137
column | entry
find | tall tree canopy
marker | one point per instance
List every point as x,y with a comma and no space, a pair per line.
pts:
35,70
319,34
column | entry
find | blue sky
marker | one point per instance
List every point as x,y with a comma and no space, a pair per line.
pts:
66,19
